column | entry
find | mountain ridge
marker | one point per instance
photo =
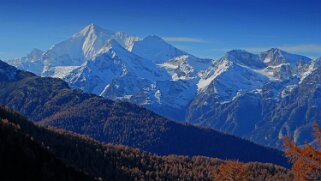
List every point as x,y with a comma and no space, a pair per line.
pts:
178,83
51,102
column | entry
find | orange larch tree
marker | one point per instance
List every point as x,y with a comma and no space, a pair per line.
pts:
306,159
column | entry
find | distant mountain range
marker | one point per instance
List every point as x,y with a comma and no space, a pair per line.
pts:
254,96
278,95
148,72
50,102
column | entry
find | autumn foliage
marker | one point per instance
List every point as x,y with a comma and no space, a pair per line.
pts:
232,170
307,159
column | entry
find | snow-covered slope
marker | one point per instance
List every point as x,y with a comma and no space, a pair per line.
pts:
32,62
113,62
282,65
156,49
250,69
186,67
275,56
227,79
234,74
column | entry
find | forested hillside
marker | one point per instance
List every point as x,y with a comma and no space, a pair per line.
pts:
112,162
22,158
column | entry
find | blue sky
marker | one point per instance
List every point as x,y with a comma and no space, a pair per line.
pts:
202,27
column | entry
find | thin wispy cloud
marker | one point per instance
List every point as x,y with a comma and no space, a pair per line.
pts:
310,48
302,48
184,39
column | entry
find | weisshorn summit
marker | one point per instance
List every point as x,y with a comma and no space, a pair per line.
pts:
261,97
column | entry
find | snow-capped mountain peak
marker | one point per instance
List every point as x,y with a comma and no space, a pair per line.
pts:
31,62
156,49
245,58
153,73
283,65
247,71
82,46
35,54
276,56
96,37
92,29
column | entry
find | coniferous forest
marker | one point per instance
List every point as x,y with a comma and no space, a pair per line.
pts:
50,153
